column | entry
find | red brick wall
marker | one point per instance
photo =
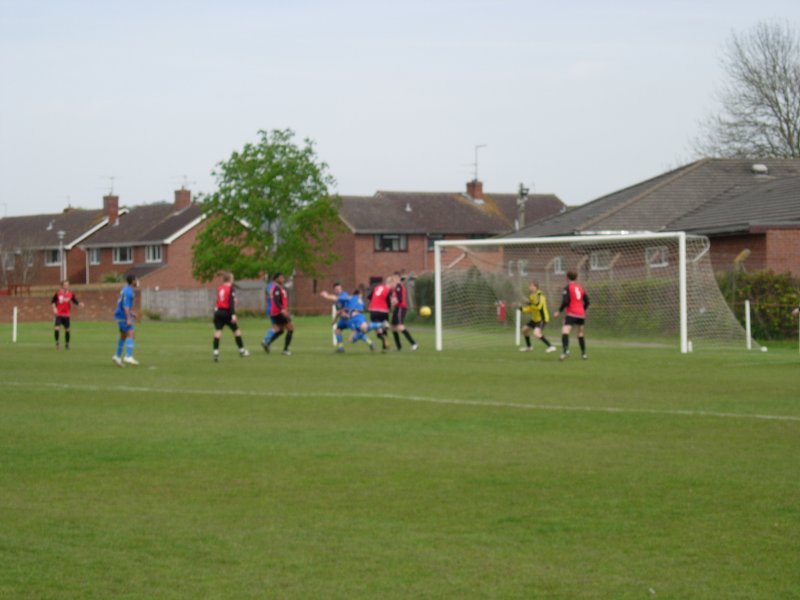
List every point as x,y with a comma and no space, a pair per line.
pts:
725,249
99,305
775,249
783,250
177,270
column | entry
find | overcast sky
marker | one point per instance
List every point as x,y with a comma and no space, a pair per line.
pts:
575,98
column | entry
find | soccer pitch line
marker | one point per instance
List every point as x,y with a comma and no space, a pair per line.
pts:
400,397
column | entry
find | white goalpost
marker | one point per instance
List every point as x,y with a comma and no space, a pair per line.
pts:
644,288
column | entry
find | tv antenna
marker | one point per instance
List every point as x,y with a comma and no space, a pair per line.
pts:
479,146
184,180
111,179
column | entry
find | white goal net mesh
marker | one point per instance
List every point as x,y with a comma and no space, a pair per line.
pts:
633,284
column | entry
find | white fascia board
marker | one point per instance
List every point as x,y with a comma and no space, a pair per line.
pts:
188,227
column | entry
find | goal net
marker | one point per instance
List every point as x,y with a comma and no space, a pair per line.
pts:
644,289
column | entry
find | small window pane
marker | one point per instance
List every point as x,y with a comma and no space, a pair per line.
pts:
656,256
600,260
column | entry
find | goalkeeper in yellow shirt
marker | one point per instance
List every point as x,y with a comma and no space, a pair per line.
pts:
537,309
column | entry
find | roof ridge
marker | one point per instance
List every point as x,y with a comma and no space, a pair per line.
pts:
666,181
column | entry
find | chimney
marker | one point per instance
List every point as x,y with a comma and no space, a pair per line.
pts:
475,189
183,199
111,208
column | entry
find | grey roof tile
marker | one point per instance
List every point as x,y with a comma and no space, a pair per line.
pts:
658,203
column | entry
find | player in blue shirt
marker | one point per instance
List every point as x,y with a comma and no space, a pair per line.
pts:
125,316
358,322
341,301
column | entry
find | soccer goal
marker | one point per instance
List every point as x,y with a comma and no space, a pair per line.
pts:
644,288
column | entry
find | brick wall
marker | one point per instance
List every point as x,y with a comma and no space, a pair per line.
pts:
774,249
177,270
725,249
99,305
783,250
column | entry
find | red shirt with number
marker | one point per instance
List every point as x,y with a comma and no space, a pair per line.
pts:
379,301
63,301
576,297
225,297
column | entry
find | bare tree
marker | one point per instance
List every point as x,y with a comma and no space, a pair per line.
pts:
759,114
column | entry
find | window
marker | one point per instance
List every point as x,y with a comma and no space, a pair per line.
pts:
152,254
521,266
600,260
29,259
52,258
94,256
391,242
8,261
558,265
656,256
432,238
122,255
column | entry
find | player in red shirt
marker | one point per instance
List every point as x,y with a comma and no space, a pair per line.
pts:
279,315
62,302
225,314
575,301
400,306
379,306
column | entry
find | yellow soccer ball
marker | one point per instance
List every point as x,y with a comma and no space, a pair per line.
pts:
424,311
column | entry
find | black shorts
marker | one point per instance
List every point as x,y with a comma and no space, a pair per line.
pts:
223,318
280,320
398,316
62,321
378,317
573,320
535,324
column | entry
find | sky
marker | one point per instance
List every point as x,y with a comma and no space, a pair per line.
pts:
573,98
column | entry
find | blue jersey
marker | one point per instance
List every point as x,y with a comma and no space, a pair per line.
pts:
355,305
125,301
342,303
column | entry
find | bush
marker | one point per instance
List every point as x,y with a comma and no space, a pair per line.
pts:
772,297
112,277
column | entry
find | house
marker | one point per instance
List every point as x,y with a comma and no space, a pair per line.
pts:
152,242
45,249
396,231
747,208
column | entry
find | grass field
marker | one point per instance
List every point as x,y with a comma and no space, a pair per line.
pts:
640,473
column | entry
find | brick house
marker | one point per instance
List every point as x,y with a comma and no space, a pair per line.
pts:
44,249
740,204
395,231
153,242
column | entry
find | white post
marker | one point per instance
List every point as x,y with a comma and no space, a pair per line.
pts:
682,291
14,327
747,324
437,293
518,325
333,326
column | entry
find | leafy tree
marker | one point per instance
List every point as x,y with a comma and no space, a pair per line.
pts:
759,113
272,211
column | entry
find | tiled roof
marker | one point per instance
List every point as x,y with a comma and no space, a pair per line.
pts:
769,203
440,212
148,224
41,231
658,203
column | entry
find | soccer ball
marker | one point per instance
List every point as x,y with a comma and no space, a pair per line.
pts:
424,311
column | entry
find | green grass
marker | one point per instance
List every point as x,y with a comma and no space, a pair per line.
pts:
639,473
